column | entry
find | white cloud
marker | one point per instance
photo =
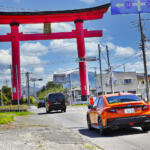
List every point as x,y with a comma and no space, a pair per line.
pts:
121,51
5,57
124,51
111,45
63,46
4,29
38,28
33,49
31,28
70,46
38,70
62,27
88,1
32,60
137,66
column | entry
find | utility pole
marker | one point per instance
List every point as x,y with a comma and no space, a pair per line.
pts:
70,88
95,75
34,88
110,70
96,81
124,67
144,56
2,103
100,65
28,88
11,82
17,86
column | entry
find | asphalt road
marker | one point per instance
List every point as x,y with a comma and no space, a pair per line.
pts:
75,119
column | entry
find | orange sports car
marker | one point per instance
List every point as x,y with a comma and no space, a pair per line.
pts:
119,110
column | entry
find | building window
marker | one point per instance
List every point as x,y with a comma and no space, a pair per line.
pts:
127,81
134,92
115,82
142,82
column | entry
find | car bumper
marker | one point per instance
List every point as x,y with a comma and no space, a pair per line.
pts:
57,107
138,121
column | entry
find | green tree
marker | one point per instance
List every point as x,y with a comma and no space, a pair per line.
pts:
6,95
50,87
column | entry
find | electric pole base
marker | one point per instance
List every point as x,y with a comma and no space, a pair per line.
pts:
15,102
84,97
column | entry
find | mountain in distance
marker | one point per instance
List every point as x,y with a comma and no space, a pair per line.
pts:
75,80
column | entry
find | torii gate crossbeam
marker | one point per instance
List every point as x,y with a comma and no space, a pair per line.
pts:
78,16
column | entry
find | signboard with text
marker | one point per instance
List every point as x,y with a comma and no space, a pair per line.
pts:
130,6
59,78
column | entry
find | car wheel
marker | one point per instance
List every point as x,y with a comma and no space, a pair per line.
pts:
47,110
145,129
89,123
101,128
63,110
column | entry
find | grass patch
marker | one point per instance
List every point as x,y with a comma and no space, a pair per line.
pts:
8,106
22,113
92,147
7,117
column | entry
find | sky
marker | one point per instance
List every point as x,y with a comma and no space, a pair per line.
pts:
43,58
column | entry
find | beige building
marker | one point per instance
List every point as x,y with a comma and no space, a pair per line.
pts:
121,82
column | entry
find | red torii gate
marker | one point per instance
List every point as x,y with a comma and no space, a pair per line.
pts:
77,16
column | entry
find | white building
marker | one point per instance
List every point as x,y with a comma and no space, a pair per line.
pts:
121,82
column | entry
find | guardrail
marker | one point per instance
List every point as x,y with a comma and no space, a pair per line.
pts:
80,102
13,108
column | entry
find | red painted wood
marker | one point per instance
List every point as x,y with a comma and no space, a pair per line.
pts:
62,35
53,16
81,54
5,38
16,18
15,61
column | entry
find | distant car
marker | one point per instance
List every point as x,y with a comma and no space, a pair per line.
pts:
55,101
119,110
41,103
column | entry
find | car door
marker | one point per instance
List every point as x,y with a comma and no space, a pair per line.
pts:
98,109
93,112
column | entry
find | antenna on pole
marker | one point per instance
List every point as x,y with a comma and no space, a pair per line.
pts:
142,46
110,70
100,65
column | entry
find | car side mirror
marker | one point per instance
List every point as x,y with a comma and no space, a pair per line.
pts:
90,106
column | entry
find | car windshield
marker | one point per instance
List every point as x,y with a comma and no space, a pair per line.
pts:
58,96
41,101
122,98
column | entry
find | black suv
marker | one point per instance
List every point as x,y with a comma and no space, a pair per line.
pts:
55,101
41,103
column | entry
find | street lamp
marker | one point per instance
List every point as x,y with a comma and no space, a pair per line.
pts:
34,80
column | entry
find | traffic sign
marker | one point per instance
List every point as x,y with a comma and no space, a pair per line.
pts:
130,6
91,59
82,59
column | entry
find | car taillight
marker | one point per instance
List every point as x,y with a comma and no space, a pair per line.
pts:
48,103
111,110
110,120
148,116
145,107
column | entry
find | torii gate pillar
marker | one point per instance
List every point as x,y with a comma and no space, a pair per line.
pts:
82,65
78,16
16,80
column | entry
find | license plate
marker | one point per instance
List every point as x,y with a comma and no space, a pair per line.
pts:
129,110
57,103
